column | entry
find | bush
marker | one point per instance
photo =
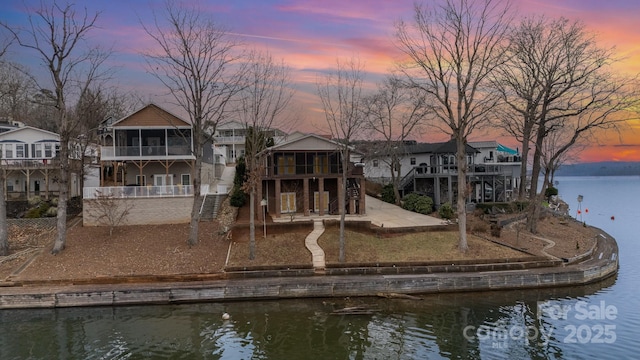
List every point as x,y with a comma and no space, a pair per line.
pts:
496,230
417,203
52,211
241,172
238,197
551,191
38,211
387,194
446,211
34,200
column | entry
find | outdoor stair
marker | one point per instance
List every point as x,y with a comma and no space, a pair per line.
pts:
211,206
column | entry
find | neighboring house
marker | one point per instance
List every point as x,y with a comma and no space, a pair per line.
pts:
30,164
304,175
430,168
147,166
148,147
229,139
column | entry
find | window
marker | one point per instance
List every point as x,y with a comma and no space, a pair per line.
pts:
9,151
286,165
413,161
48,150
20,153
37,150
320,164
186,179
375,163
141,180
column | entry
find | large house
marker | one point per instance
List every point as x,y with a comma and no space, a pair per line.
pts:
303,176
430,168
148,147
30,163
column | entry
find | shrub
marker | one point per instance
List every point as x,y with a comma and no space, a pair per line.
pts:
417,203
446,211
52,211
551,191
34,200
496,230
38,211
480,227
238,197
241,172
387,194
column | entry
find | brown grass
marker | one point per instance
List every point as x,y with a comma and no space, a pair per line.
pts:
427,246
281,249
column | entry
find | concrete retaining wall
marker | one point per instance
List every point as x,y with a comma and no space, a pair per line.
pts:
143,211
300,287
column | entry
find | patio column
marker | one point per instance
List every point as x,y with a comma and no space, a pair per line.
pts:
305,195
363,197
278,198
341,196
320,196
258,201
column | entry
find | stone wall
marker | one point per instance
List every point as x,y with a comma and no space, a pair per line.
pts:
144,211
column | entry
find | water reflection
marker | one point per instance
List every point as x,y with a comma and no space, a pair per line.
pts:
467,325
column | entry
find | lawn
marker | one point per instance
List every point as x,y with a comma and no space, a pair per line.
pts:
426,246
289,248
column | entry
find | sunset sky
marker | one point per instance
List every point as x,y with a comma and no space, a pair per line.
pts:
310,34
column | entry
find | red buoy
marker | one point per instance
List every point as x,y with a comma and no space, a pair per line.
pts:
613,217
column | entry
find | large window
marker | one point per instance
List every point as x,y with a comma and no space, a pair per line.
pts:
8,151
20,153
186,179
141,180
48,150
37,151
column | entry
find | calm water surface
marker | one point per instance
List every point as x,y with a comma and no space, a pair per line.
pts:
586,322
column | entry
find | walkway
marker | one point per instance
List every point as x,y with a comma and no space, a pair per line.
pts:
384,214
311,242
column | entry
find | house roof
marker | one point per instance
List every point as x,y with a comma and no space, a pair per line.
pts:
151,115
308,142
12,133
448,147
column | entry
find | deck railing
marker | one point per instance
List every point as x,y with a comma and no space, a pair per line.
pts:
137,191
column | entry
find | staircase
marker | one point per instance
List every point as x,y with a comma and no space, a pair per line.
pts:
211,206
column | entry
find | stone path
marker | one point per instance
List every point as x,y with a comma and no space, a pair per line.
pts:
311,242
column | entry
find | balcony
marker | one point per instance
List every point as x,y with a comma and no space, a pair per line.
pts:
34,164
145,152
477,169
224,140
137,191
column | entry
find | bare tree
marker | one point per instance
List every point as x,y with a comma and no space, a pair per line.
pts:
58,36
559,78
452,50
109,210
195,62
266,94
553,156
15,91
395,113
4,230
341,95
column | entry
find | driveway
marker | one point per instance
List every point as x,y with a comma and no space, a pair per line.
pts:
388,215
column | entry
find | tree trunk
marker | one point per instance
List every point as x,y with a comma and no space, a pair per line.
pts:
395,173
252,223
341,204
197,201
534,200
462,193
523,170
4,233
61,239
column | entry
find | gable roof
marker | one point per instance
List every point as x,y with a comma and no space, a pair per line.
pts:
13,132
151,115
309,142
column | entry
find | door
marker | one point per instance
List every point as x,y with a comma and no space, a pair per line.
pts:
325,201
287,203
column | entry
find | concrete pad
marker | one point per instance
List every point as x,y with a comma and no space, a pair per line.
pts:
383,214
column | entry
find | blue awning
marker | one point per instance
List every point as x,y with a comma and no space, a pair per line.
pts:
507,150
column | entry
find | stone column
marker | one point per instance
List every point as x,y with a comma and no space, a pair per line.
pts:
258,201
278,198
363,196
305,194
320,197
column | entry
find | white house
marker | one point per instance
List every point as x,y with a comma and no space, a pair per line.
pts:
229,139
430,168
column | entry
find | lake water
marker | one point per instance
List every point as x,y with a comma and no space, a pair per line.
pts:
586,322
